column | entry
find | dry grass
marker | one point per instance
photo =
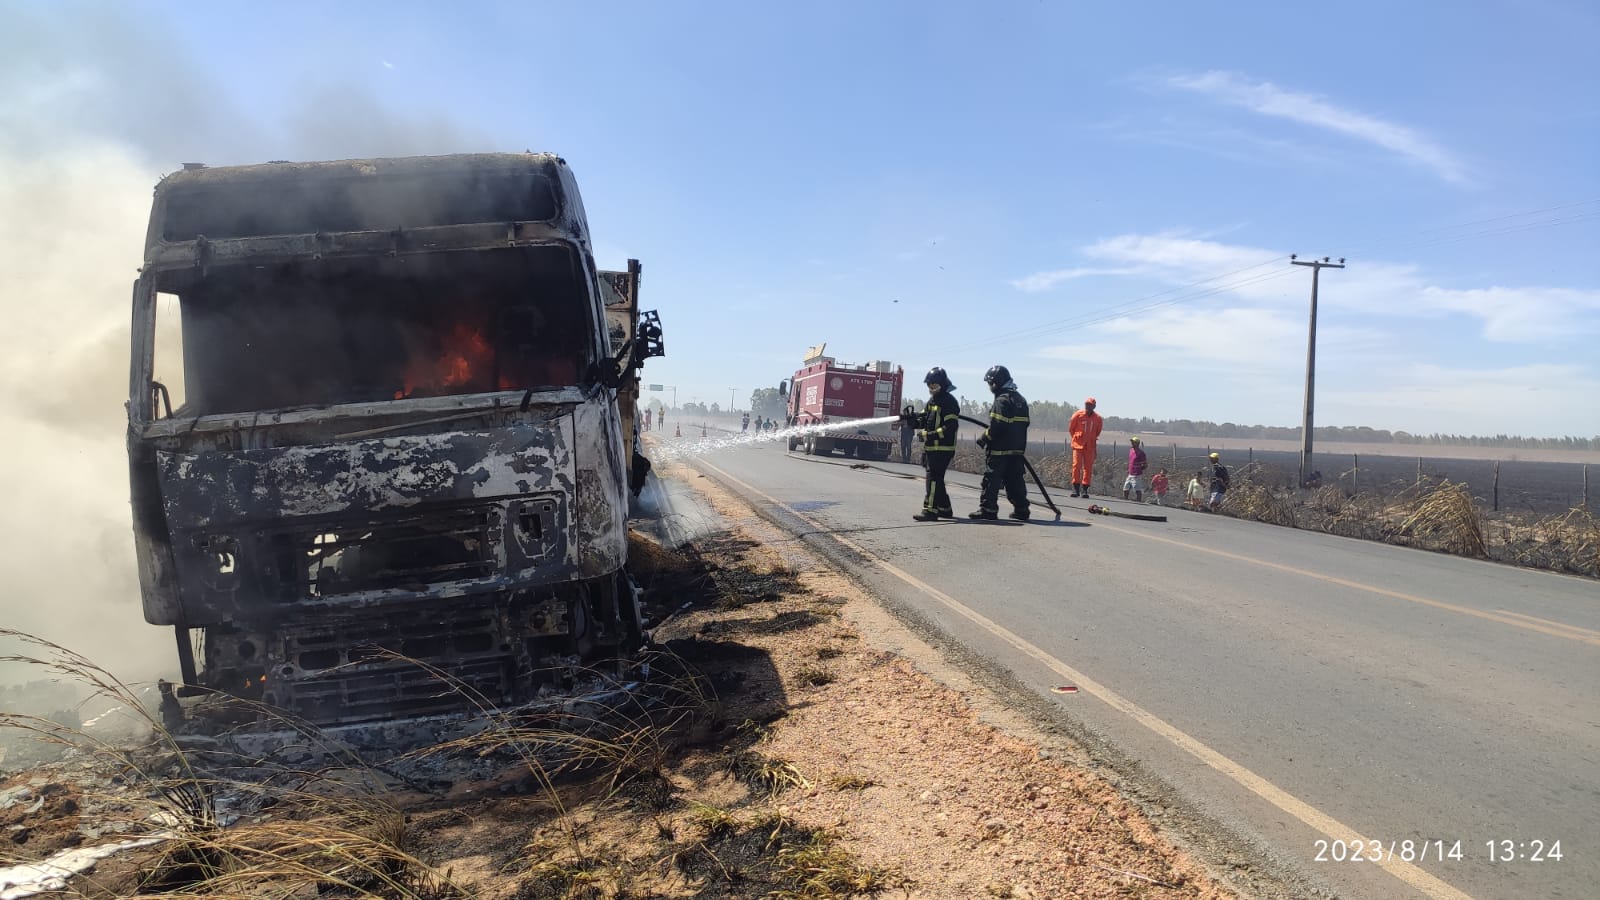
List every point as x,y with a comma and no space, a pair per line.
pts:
335,830
713,821
813,676
1251,497
765,775
1447,519
330,829
1566,543
850,782
822,869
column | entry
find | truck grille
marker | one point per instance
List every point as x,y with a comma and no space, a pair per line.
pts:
395,665
327,560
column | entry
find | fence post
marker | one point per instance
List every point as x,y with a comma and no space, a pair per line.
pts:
1355,473
1252,454
1174,457
1497,485
1586,487
1419,471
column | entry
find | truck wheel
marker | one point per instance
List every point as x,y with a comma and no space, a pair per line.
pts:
793,442
811,445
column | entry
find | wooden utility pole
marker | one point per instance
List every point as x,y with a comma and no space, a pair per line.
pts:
1311,361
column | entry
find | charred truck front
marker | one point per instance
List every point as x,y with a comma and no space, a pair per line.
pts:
379,432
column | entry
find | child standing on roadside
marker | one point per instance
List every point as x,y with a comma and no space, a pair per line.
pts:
1196,497
1158,486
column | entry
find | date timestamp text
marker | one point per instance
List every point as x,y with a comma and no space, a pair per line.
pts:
1438,850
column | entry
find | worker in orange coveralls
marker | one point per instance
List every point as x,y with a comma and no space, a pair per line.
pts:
1085,427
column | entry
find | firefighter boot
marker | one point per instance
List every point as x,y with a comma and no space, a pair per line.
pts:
926,515
988,515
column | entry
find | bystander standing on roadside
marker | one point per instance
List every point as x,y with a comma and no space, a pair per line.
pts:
1136,466
1219,482
1195,497
1084,428
1158,487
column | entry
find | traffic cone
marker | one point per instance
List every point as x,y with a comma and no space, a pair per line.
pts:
679,431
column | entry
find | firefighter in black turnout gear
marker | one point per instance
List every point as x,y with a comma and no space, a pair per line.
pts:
937,426
1004,442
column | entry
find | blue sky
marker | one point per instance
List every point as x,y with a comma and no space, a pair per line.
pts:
1062,188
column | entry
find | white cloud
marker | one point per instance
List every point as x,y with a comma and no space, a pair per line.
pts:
1268,99
1254,276
1044,281
1522,315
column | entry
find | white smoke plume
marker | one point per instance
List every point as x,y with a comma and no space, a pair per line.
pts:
95,105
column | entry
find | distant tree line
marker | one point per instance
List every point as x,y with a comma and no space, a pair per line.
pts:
1351,433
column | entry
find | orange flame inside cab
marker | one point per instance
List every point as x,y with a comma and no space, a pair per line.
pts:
465,357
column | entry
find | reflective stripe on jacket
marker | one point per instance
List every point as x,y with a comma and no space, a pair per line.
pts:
939,422
1008,424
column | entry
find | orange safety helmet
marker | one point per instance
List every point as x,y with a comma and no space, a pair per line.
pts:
1089,402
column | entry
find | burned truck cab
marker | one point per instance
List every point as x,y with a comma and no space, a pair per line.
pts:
376,451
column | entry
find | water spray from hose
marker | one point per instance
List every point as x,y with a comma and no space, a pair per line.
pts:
668,449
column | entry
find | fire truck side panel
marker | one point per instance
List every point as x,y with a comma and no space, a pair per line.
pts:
825,392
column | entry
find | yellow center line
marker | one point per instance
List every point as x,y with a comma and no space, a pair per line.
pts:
1577,630
1319,821
1516,620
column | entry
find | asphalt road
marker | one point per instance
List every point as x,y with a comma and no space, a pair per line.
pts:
1305,692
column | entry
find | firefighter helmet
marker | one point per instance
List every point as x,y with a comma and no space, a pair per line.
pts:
937,376
997,376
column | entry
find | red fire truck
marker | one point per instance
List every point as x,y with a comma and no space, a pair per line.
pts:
824,390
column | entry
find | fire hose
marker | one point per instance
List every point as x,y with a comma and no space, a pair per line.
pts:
1099,510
